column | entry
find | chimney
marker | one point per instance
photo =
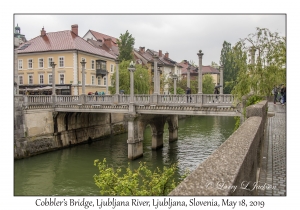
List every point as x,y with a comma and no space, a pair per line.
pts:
75,29
43,32
142,49
107,42
159,53
166,55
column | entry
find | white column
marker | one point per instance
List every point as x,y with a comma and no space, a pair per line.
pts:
200,54
188,83
83,76
155,57
221,79
53,78
117,76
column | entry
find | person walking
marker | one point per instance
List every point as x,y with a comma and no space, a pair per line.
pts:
216,92
188,93
283,94
275,93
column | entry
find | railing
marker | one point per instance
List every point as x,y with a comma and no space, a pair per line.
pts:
192,99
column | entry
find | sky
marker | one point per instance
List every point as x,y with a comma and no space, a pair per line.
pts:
181,35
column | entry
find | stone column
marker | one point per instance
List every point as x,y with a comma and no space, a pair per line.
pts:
135,145
117,76
155,57
157,140
158,80
131,69
253,55
106,82
188,83
53,78
173,128
221,79
83,76
200,54
175,87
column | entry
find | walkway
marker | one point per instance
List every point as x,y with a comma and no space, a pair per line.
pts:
273,171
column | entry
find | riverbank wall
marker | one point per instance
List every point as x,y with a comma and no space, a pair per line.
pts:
233,169
40,131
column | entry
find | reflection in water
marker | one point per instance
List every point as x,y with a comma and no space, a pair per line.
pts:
70,171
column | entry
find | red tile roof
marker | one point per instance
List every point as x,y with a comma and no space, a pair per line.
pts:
194,70
100,36
60,41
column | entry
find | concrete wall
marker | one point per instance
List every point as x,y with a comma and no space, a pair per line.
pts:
232,168
39,131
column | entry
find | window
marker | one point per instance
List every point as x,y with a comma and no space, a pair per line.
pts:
30,79
99,80
20,80
93,64
30,62
104,80
41,78
20,64
61,79
49,78
41,63
61,62
111,68
49,62
93,80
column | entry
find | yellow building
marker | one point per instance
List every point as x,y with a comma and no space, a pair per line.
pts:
66,49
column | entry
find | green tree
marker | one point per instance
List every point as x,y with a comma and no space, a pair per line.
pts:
268,69
141,79
208,84
126,44
141,181
214,64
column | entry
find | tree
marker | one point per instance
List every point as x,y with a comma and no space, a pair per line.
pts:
269,68
141,181
208,84
141,79
214,64
126,44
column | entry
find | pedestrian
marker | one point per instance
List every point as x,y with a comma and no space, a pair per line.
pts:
216,92
283,95
188,93
275,93
96,93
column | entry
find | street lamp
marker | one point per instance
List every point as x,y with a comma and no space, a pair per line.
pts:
52,64
83,76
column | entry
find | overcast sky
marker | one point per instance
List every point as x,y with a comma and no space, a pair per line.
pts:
180,35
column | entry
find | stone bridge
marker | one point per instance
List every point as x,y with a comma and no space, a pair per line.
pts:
71,112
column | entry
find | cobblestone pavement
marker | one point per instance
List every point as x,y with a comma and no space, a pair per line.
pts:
273,170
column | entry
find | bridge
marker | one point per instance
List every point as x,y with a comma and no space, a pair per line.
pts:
69,117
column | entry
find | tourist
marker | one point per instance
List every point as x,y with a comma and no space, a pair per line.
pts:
283,94
188,93
216,92
275,93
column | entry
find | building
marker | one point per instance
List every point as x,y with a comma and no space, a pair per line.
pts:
215,73
166,66
66,49
18,37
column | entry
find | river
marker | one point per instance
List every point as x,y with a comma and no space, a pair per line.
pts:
70,171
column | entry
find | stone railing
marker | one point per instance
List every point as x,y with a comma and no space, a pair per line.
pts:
139,99
232,168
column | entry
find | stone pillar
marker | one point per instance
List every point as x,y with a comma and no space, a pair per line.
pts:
131,69
200,54
106,83
53,78
158,80
173,128
157,139
175,86
117,76
155,57
83,76
188,83
221,79
135,145
253,55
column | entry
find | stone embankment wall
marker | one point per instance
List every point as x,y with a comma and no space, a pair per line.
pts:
39,131
232,168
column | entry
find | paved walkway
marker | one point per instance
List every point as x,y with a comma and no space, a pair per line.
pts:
273,170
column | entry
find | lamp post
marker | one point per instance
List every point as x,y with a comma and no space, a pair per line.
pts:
200,54
131,69
83,76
